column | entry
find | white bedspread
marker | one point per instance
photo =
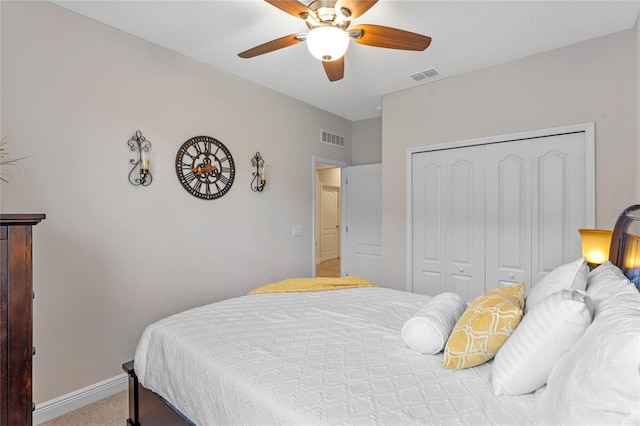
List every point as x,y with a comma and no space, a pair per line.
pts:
329,357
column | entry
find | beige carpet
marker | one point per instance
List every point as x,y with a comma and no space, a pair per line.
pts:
112,411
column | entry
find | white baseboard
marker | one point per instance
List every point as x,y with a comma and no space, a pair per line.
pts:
78,399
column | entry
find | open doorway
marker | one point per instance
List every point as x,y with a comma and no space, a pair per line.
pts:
327,245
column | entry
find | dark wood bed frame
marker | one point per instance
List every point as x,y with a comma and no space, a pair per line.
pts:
624,251
147,408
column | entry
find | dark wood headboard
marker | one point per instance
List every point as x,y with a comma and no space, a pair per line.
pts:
625,244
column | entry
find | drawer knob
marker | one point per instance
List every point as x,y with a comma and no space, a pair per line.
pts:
511,276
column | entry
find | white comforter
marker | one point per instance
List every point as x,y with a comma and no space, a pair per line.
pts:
329,357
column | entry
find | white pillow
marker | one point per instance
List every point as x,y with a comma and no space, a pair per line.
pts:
571,276
546,333
428,331
598,381
606,281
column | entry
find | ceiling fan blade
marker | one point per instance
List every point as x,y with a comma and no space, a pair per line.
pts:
334,69
357,7
270,46
292,7
391,38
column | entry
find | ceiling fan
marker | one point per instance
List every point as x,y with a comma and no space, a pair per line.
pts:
329,37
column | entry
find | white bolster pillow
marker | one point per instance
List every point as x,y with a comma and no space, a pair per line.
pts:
428,331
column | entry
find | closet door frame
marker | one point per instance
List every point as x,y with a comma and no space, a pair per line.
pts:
589,134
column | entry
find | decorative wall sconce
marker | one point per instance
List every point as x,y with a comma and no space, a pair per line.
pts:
259,179
142,146
595,246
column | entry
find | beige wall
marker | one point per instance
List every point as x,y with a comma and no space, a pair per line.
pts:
111,258
637,90
367,141
330,176
593,81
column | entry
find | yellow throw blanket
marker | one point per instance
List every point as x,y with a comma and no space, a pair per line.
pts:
312,284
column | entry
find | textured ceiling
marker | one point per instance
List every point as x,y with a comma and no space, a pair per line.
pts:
467,35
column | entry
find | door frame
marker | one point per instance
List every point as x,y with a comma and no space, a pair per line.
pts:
590,185
314,220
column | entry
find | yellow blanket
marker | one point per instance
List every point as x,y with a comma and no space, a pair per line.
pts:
312,284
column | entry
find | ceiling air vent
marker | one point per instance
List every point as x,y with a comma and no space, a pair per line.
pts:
331,138
427,74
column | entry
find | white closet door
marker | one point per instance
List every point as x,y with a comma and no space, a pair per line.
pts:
508,213
559,209
448,220
536,202
429,226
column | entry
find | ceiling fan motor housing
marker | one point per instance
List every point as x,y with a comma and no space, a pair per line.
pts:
324,13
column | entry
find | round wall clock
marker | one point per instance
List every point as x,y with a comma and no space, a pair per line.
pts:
205,167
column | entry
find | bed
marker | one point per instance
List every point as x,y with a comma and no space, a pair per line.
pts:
345,356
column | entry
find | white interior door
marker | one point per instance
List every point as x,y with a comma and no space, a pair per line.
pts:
362,230
448,222
329,222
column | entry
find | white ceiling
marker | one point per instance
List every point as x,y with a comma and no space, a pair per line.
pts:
467,35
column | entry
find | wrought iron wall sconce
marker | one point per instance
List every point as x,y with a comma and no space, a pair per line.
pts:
142,146
259,179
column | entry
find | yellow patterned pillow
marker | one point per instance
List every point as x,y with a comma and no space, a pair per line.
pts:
484,327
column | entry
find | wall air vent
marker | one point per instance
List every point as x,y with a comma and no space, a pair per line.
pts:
331,138
427,74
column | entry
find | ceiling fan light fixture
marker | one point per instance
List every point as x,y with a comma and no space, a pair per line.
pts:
327,43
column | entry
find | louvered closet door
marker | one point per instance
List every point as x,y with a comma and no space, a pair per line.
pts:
448,222
536,201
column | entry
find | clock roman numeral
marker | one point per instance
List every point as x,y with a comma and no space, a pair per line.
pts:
197,148
189,177
189,155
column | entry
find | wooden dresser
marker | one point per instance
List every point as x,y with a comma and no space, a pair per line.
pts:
16,314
